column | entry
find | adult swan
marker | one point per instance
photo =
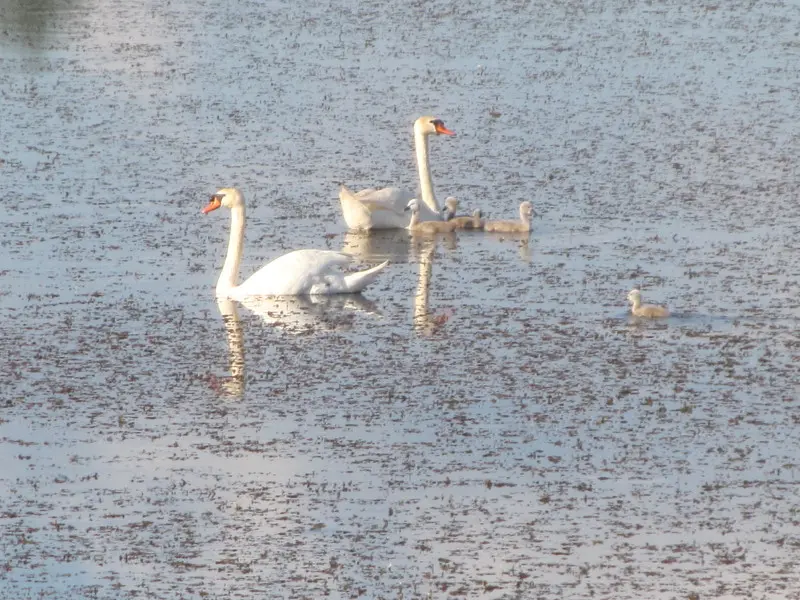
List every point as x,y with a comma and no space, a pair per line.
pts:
302,272
385,208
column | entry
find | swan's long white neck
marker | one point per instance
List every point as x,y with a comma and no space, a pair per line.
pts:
425,183
227,279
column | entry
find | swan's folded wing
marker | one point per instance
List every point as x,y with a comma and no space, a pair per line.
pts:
393,199
375,209
315,261
293,273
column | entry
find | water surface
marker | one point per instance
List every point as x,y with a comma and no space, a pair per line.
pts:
487,421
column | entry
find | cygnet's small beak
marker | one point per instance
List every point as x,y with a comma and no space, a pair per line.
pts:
440,128
214,204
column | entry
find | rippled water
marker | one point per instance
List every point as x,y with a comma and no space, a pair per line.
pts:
486,421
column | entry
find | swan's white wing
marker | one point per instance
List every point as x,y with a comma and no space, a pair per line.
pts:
293,274
375,209
393,199
381,209
364,192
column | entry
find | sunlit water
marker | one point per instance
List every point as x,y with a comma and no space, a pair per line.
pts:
487,421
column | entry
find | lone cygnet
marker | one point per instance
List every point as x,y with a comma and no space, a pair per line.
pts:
524,224
644,310
426,226
465,222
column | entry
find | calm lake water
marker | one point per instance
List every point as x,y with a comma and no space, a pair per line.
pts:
486,421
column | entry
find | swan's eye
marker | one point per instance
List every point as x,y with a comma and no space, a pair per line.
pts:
437,123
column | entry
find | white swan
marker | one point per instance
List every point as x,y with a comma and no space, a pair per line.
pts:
383,208
302,272
645,310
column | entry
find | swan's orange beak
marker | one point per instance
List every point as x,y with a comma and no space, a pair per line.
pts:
440,128
215,203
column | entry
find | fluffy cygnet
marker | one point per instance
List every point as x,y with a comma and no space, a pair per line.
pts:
466,222
644,310
524,224
426,226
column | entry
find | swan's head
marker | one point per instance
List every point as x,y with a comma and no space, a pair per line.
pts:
227,197
429,125
526,210
634,296
413,205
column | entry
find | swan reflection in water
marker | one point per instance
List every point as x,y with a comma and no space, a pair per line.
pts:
381,244
402,246
295,315
232,386
424,322
394,245
307,315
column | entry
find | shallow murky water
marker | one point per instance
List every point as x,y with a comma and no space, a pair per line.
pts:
487,421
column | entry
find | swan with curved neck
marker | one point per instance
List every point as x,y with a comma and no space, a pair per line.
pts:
384,208
523,225
644,310
302,272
